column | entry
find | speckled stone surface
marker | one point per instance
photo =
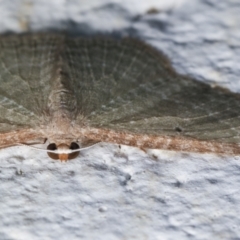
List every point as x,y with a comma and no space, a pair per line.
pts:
122,193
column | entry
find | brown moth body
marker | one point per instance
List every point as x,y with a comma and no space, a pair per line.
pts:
75,92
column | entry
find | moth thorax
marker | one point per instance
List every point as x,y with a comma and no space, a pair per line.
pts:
63,151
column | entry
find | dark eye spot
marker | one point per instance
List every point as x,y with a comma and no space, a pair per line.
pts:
52,147
178,129
73,146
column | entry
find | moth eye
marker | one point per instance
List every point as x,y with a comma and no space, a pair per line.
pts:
52,146
178,129
73,146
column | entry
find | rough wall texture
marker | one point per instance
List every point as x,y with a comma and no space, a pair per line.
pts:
113,193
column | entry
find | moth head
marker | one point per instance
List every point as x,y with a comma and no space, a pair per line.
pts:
63,151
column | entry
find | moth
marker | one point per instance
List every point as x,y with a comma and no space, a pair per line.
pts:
75,92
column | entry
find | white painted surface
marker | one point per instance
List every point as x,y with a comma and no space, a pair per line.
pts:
112,193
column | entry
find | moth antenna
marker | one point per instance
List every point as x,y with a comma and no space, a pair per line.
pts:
36,148
57,150
88,146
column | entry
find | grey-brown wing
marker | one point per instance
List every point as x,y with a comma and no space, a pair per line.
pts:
128,87
26,68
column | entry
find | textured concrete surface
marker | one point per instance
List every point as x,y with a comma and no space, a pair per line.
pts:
124,193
